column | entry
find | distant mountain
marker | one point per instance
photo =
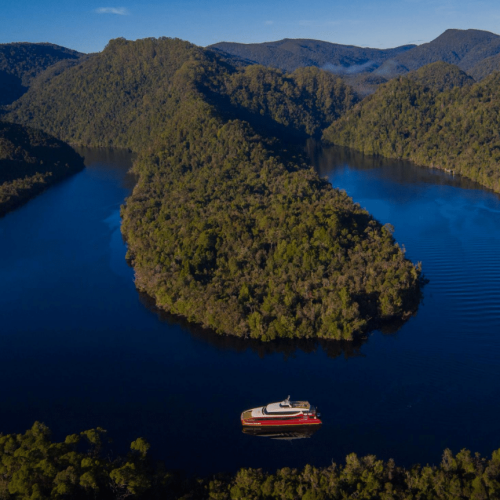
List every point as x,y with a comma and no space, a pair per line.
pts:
465,48
290,54
20,63
365,68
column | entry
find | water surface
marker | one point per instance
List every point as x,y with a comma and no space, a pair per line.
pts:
80,348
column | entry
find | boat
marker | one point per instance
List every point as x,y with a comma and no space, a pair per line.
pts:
286,413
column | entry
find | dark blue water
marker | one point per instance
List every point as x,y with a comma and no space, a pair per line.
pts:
80,348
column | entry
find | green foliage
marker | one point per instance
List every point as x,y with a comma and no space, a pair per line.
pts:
31,160
126,95
440,76
224,227
306,101
485,67
32,466
21,62
224,231
456,130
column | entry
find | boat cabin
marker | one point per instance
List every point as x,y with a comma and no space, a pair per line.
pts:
287,407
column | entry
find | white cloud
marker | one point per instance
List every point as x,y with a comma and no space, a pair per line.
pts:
121,11
318,24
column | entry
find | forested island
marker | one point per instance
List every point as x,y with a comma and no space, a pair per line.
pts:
30,161
32,466
225,226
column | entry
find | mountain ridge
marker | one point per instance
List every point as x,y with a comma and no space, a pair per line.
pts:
289,54
464,48
22,62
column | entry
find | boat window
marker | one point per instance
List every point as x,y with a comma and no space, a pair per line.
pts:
281,412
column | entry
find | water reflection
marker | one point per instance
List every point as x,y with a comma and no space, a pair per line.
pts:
326,159
79,350
283,433
332,348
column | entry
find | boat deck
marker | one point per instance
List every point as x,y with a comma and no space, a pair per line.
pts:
246,414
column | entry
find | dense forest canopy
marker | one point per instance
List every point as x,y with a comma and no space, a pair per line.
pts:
457,129
122,97
440,76
33,466
31,160
222,231
20,63
224,227
485,67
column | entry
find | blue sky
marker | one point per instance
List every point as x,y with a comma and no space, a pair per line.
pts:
88,26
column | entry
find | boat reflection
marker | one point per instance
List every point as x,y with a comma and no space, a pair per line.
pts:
283,433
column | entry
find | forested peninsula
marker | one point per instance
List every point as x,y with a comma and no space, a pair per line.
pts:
435,117
225,226
32,466
30,161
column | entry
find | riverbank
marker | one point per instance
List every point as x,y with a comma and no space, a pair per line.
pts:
81,349
31,161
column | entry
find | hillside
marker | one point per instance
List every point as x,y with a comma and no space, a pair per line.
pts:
463,48
364,68
30,161
20,63
290,54
225,227
122,97
440,76
456,129
485,67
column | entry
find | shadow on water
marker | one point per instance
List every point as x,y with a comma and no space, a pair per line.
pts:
327,159
288,348
282,433
114,159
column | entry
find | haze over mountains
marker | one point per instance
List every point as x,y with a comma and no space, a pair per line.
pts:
474,51
465,48
290,54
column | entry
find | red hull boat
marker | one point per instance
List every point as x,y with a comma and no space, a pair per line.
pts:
287,413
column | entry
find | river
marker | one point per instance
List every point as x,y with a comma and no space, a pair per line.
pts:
80,348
